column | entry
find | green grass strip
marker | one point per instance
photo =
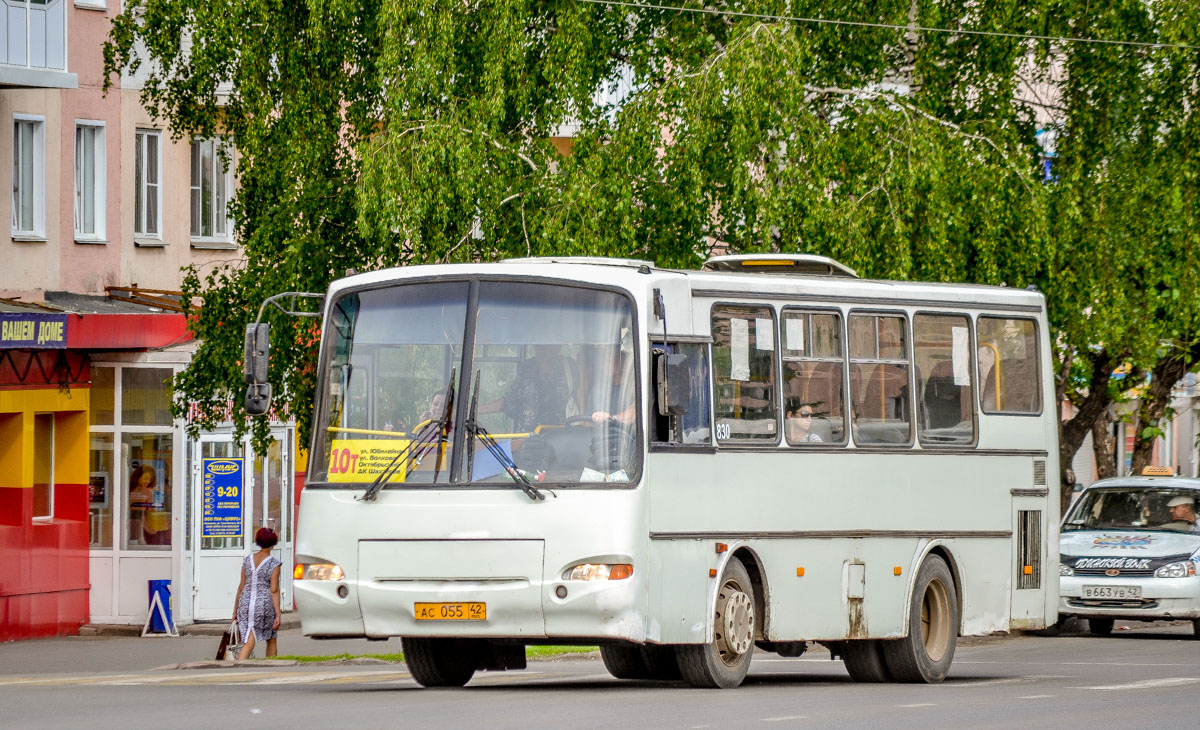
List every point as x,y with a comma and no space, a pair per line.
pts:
531,652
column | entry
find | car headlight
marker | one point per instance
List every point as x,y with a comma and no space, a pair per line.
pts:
1064,569
598,571
1182,569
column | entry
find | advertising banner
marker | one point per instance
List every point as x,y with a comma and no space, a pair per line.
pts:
33,331
221,497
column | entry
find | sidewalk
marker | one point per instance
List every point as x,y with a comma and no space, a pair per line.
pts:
123,649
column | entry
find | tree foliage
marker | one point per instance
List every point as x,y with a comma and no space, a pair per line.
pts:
400,132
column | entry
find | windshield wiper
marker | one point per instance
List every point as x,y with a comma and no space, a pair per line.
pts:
473,429
421,445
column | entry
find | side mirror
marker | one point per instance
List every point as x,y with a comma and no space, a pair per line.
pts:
673,383
255,361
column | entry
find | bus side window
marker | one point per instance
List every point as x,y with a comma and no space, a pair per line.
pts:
1008,366
879,391
746,398
942,351
693,428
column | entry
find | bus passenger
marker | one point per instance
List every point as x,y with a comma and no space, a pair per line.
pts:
799,421
542,393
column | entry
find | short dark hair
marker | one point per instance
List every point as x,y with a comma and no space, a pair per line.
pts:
265,538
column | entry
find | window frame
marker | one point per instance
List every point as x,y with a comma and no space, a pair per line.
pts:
225,178
973,377
37,179
906,320
99,181
141,186
51,416
843,332
776,372
659,424
1037,361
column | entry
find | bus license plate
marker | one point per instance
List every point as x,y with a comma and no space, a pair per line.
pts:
450,611
1113,592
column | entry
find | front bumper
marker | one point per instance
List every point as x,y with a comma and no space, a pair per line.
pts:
1161,598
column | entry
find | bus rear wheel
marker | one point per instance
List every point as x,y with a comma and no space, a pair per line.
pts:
924,655
724,661
440,662
630,661
864,661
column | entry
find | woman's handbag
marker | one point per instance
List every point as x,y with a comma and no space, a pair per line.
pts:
231,643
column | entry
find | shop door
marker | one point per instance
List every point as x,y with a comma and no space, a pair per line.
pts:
263,484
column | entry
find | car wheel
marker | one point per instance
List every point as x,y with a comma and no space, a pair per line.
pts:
724,661
925,654
864,661
440,662
1100,626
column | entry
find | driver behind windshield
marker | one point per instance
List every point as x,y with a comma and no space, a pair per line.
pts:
1183,514
543,391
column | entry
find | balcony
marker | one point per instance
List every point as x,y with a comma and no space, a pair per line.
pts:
33,45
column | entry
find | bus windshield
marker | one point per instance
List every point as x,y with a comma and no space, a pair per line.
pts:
546,386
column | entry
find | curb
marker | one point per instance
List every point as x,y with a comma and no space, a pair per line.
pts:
202,628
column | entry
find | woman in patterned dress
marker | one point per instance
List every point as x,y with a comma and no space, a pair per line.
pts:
256,607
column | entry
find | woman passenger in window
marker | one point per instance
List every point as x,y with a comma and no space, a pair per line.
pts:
799,425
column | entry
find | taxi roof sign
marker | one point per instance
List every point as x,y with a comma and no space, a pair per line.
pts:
1158,471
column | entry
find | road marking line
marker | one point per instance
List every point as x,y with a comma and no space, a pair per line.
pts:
1035,697
785,719
920,704
1149,683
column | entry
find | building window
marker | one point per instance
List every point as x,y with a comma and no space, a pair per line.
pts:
43,465
29,176
147,187
89,180
212,183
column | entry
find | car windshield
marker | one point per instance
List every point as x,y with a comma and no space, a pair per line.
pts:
545,385
1131,508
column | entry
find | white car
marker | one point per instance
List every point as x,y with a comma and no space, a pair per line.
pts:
1130,551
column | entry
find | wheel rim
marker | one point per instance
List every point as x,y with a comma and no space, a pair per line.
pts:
935,620
735,622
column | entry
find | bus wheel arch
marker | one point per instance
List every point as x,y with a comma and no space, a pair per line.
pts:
942,551
758,579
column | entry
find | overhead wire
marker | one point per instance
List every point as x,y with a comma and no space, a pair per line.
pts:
889,26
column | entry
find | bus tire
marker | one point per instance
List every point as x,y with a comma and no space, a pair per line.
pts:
661,662
924,655
624,661
724,661
1100,626
1196,628
864,661
439,662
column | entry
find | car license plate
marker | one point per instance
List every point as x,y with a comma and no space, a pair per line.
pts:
1117,593
450,611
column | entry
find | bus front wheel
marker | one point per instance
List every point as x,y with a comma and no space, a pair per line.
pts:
924,655
724,661
439,662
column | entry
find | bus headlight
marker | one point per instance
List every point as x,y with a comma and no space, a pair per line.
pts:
1182,569
598,571
1064,569
318,571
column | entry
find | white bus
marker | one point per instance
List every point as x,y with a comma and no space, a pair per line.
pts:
677,466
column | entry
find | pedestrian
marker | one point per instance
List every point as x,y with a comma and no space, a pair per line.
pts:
256,607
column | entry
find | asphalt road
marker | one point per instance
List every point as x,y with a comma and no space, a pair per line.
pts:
1137,678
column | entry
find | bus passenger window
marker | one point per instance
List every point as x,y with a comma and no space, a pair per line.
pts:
746,404
693,428
1008,365
879,380
942,352
813,391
